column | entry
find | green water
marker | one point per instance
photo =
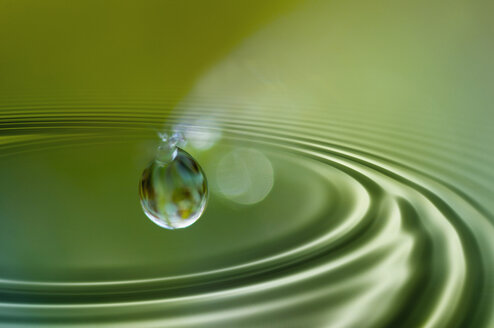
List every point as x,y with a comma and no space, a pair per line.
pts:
347,147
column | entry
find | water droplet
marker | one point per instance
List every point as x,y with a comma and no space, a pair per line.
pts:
173,188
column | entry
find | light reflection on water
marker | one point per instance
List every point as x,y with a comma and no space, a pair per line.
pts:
244,176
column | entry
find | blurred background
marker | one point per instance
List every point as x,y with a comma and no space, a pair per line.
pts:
347,147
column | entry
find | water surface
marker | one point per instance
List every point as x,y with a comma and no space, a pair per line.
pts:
347,147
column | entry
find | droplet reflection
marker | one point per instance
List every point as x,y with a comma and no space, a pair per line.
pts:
173,193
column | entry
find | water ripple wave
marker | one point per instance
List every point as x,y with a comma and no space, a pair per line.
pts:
409,248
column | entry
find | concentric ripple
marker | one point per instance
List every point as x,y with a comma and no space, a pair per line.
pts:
366,224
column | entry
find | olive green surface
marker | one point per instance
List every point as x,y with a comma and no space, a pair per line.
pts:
347,146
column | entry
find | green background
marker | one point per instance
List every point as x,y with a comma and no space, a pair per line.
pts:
374,119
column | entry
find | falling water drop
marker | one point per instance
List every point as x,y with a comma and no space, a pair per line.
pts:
173,188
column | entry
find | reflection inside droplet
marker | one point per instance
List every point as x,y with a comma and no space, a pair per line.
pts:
173,188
